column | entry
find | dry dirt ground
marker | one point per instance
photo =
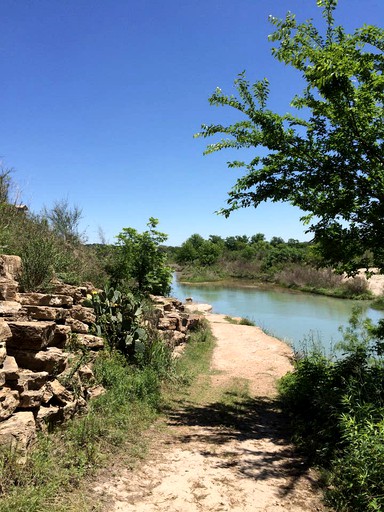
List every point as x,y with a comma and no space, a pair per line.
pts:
217,457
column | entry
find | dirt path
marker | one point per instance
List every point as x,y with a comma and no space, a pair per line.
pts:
217,457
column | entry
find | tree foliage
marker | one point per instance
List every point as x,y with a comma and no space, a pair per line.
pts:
328,160
141,261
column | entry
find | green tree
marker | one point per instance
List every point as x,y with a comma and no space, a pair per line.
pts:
329,160
141,260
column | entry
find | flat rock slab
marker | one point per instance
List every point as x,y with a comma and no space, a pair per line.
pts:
195,306
9,307
46,312
43,299
51,360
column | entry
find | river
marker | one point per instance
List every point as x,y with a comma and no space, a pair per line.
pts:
295,317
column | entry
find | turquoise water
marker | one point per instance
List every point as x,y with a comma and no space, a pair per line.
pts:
292,316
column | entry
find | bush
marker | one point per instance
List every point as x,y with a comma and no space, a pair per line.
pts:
336,407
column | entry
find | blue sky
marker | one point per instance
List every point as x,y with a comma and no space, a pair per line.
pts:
100,99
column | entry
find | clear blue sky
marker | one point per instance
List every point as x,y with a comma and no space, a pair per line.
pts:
100,99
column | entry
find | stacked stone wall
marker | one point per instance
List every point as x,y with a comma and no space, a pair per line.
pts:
42,380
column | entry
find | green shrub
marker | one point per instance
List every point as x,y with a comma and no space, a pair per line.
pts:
336,408
357,474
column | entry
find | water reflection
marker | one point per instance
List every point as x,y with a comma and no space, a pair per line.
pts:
291,316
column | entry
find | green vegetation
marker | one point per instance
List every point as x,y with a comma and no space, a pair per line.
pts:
241,321
140,263
135,396
119,319
291,264
60,460
336,409
49,243
325,155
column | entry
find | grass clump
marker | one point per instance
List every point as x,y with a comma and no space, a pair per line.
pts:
239,321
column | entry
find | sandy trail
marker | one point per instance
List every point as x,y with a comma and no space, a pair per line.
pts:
223,458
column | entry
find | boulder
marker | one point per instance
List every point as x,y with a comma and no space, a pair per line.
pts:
48,416
95,391
167,323
42,299
18,432
9,401
55,393
30,335
52,360
85,374
78,293
3,352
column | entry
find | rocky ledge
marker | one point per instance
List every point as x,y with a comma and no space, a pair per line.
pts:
42,378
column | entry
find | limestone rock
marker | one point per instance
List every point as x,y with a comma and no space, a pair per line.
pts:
78,293
46,313
42,299
167,323
56,392
48,416
83,314
77,326
9,308
178,338
60,336
10,369
5,331
3,352
30,335
201,308
95,391
52,360
31,381
10,266
18,432
193,321
91,342
9,401
8,289
86,374
31,399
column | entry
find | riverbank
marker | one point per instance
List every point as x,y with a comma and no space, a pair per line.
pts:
317,282
299,318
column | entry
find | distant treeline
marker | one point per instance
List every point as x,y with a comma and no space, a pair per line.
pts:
289,263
